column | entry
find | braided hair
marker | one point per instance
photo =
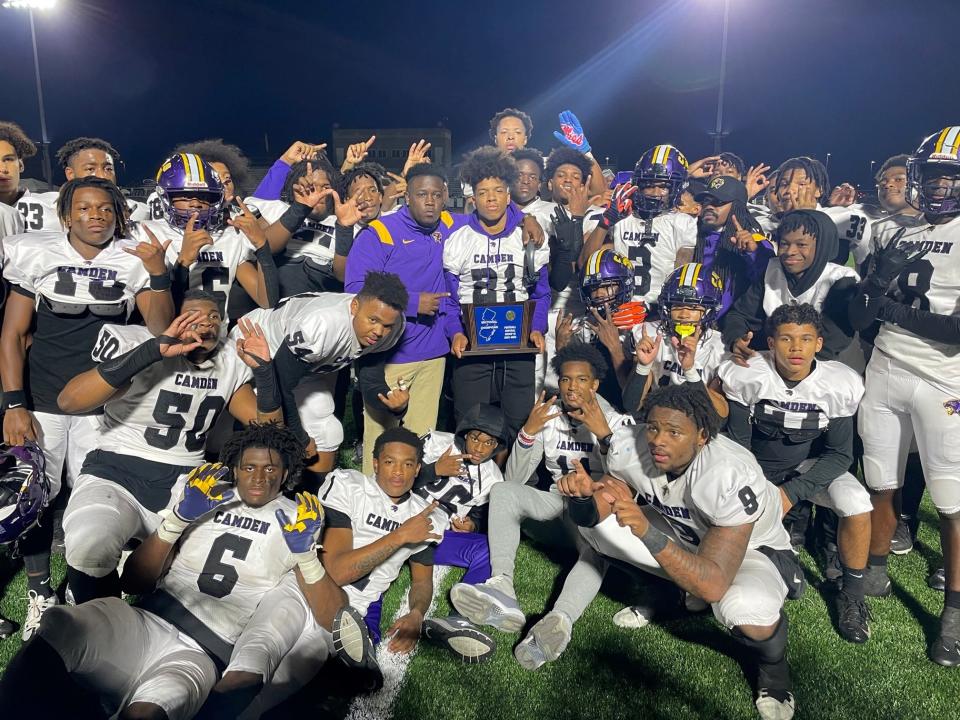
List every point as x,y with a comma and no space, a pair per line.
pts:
69,188
269,436
812,168
726,261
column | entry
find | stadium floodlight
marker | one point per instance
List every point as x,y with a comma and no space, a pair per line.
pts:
30,6
718,133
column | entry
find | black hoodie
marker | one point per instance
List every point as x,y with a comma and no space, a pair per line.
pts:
747,313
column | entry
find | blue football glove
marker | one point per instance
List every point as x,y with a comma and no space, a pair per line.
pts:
203,492
571,133
301,534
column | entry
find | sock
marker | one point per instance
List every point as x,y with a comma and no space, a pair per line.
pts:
228,704
853,582
86,587
40,584
952,599
950,620
877,561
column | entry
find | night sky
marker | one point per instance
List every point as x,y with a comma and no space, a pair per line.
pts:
861,80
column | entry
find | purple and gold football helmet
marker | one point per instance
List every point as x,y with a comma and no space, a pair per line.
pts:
659,164
690,284
186,175
933,174
24,490
605,268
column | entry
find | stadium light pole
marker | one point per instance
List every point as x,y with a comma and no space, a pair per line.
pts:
30,6
718,130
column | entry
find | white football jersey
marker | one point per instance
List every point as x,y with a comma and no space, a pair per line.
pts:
457,495
723,486
318,329
374,514
776,291
46,265
854,223
666,368
227,561
139,211
652,246
169,408
215,269
931,283
489,269
11,222
39,211
831,390
314,239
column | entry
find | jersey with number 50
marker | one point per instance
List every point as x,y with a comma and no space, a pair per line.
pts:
723,486
930,283
169,408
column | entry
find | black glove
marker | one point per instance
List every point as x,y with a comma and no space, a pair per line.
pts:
567,231
890,262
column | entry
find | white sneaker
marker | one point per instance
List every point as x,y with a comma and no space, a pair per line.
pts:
545,642
68,598
772,708
37,605
633,617
493,602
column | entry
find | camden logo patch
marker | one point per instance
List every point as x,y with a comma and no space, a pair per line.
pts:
952,407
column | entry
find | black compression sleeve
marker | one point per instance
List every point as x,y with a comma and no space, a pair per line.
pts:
343,240
583,511
268,390
289,371
928,325
271,279
120,370
293,216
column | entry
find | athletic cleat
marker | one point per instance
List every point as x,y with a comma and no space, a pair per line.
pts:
491,603
545,642
775,704
634,617
467,642
937,580
68,598
876,583
37,605
853,618
945,651
351,640
7,628
902,541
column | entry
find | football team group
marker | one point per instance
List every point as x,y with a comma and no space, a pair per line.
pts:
716,364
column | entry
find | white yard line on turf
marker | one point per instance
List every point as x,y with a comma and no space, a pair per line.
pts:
379,705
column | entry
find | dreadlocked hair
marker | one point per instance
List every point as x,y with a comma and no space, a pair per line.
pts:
510,112
14,134
65,201
795,220
488,162
578,351
369,170
725,261
216,150
689,398
566,156
801,314
72,147
895,161
812,168
299,169
268,436
735,160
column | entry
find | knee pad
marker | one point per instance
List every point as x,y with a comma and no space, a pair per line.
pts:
774,648
945,493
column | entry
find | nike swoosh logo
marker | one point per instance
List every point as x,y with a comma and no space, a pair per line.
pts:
407,242
12,406
797,580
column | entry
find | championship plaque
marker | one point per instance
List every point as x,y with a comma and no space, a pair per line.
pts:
500,328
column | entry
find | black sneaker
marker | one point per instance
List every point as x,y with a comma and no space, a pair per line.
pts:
945,651
461,637
902,541
938,580
876,582
7,628
853,618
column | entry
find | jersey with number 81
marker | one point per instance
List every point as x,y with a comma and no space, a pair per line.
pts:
722,487
930,283
170,407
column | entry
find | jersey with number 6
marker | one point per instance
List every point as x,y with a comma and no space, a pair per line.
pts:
457,495
723,486
652,246
931,283
170,406
215,269
224,564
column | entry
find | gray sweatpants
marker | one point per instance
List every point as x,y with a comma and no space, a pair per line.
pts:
511,504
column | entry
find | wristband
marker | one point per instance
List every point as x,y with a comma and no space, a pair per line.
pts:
604,442
342,239
160,283
691,375
293,216
118,371
525,440
13,399
310,567
642,370
268,390
171,528
655,540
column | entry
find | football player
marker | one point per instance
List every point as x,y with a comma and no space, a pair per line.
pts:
160,398
806,243
376,524
710,522
510,129
227,540
312,336
639,222
912,376
575,431
572,136
796,414
65,287
15,147
206,249
526,190
485,263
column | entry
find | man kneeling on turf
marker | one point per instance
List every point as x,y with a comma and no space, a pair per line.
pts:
710,523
